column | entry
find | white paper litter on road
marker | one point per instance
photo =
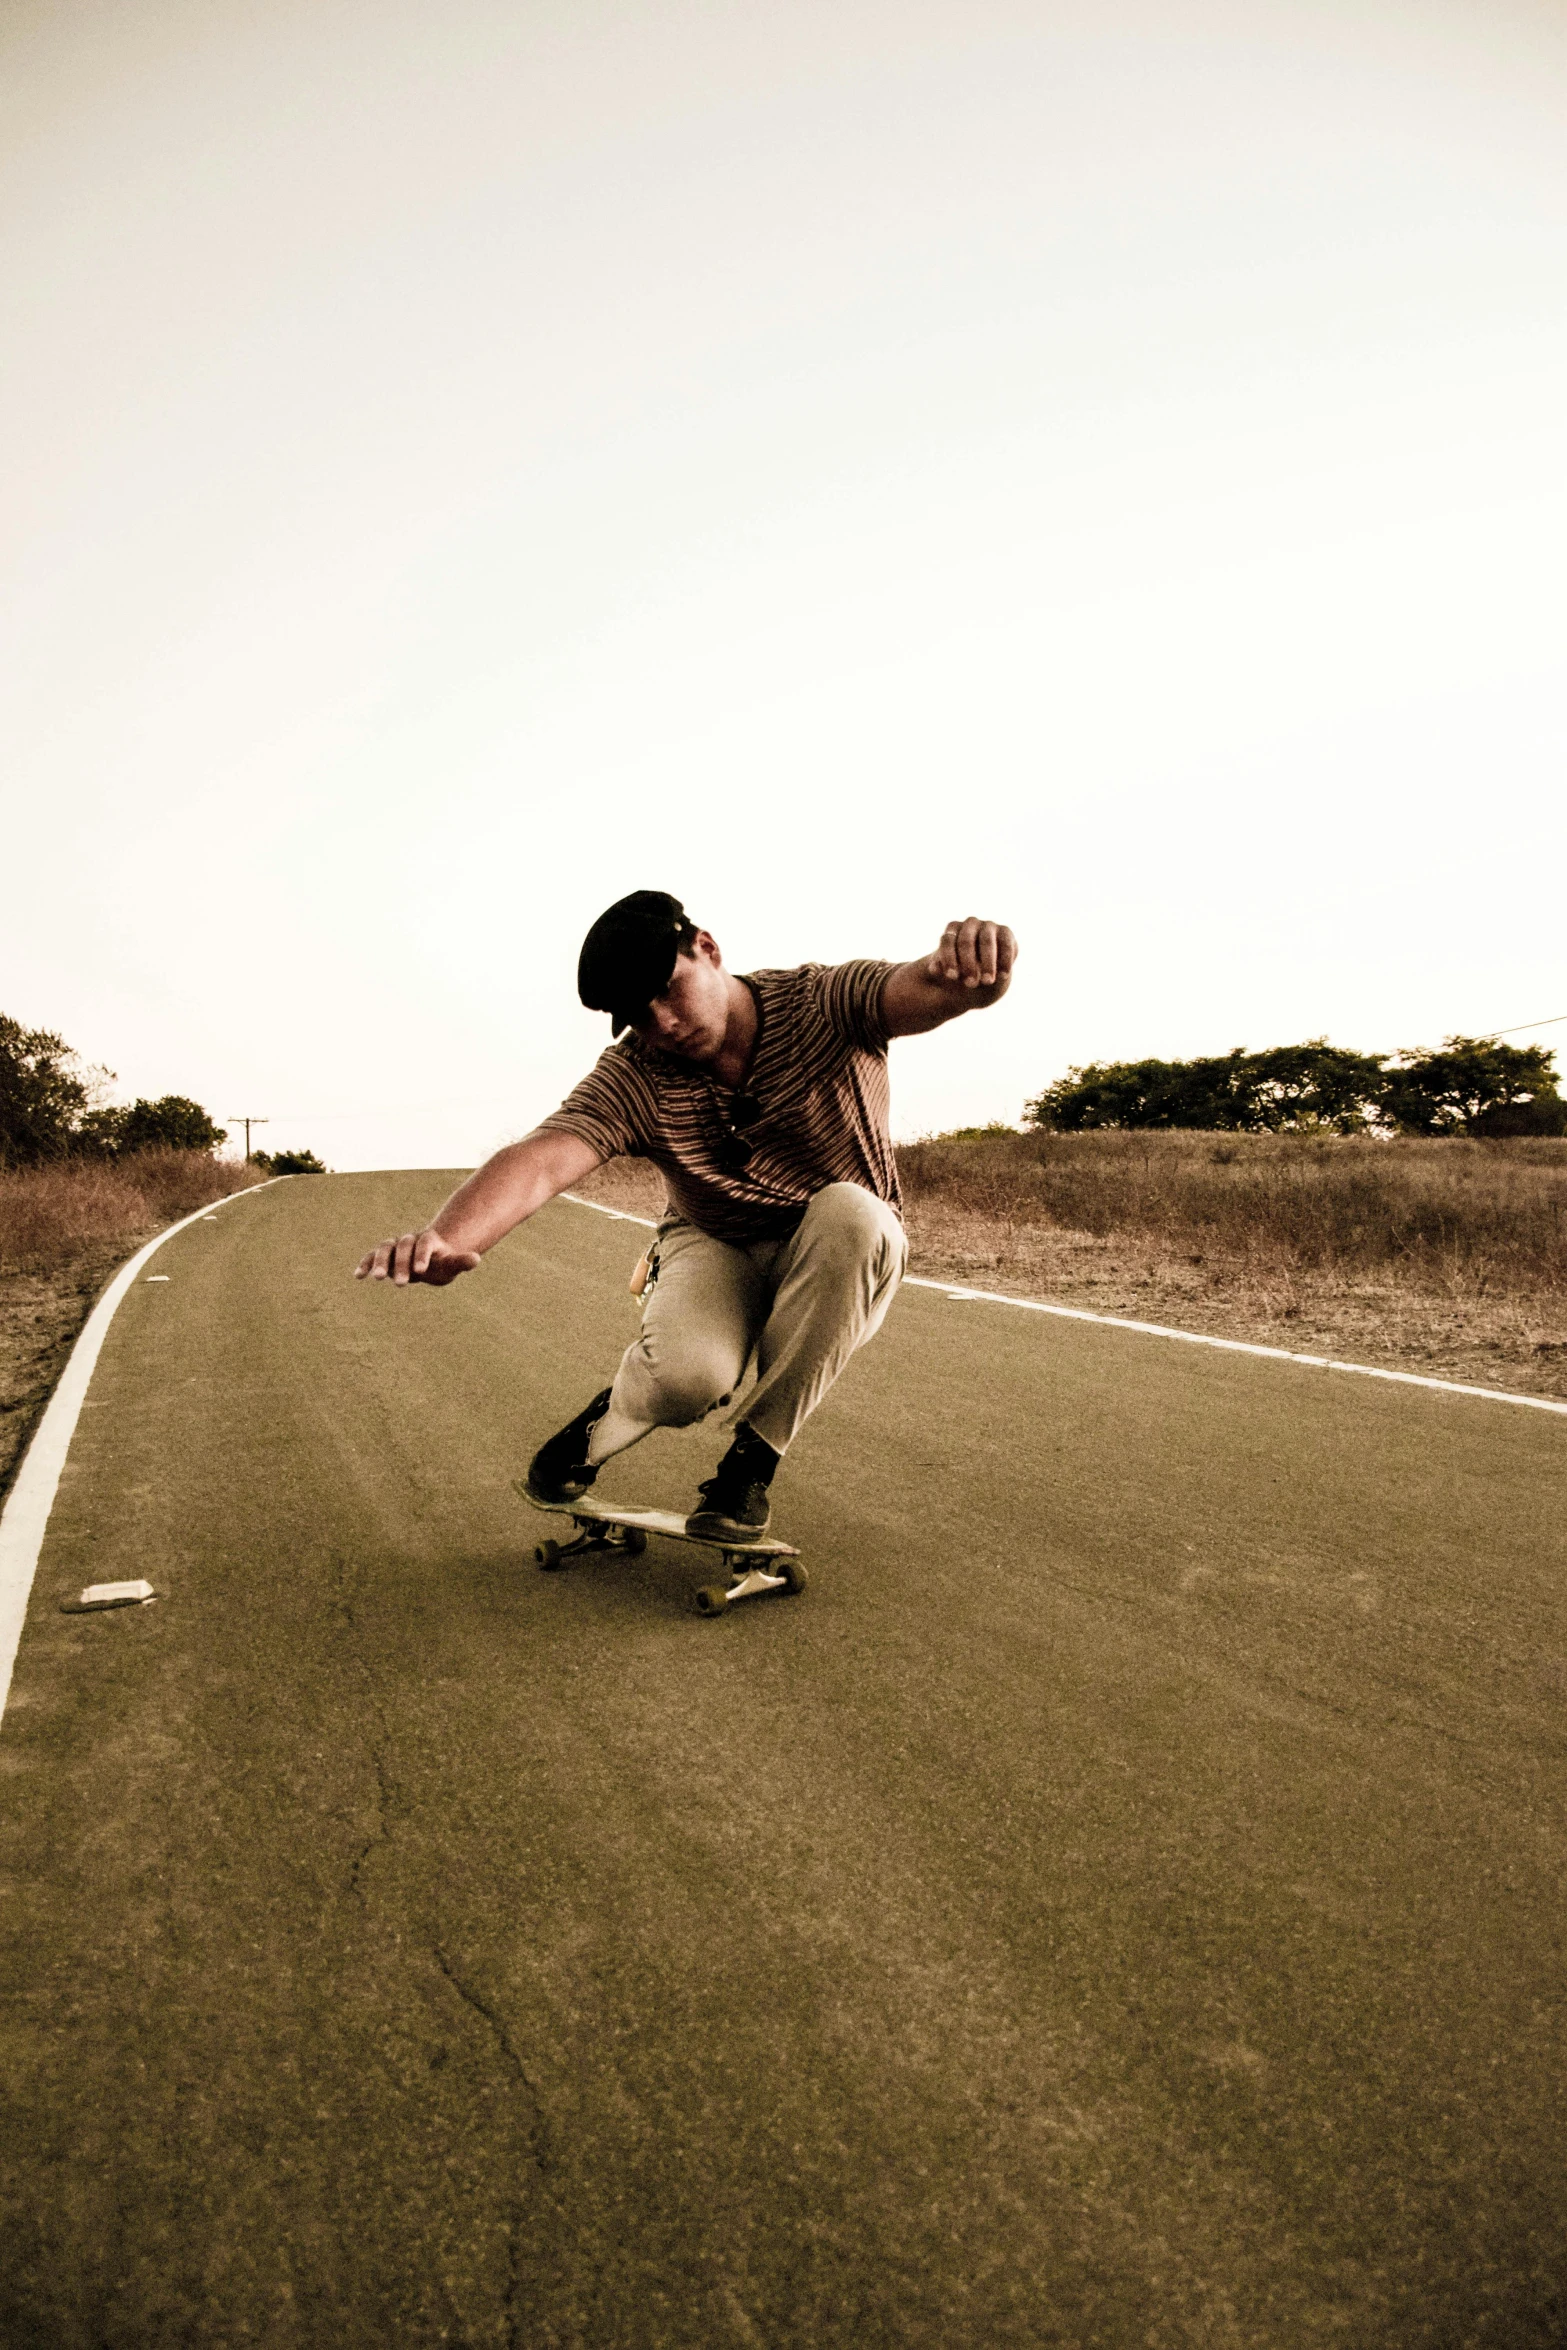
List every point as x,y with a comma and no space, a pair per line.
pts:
99,1595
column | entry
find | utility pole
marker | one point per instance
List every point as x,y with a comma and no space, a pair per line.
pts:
237,1118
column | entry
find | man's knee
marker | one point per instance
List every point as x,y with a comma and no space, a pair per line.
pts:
685,1383
852,1224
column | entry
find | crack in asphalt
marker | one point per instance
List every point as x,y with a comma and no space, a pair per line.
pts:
380,1830
342,1606
538,2148
536,2144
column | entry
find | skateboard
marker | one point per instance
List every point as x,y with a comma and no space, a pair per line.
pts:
764,1564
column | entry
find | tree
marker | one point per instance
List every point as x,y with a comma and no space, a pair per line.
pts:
1292,1088
45,1094
1306,1087
52,1106
1476,1086
1137,1093
1472,1086
172,1123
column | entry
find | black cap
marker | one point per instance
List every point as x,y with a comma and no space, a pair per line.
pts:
629,955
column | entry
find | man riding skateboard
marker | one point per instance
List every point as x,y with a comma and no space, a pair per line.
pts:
762,1099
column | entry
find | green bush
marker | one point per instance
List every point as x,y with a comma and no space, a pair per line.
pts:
289,1162
1472,1086
971,1133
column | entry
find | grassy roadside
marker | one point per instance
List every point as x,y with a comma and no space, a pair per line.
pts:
64,1229
1447,1258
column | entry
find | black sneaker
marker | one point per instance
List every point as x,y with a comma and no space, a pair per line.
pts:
559,1471
735,1506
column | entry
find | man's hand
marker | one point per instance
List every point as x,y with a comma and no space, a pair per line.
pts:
971,968
978,953
508,1188
417,1256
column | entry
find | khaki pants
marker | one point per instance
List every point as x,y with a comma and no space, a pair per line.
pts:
801,1306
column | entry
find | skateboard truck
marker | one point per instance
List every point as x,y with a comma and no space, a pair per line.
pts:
747,1582
594,1534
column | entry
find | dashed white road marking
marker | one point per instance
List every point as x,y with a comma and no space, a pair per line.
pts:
25,1518
1238,1346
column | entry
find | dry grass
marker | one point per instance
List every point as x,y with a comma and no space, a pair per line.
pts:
1447,1257
51,1216
1489,1216
63,1231
629,1184
1444,1257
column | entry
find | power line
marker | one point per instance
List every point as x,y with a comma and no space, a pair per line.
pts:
470,1101
1555,1021
473,1101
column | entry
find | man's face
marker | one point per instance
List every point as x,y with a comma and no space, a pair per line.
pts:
691,1017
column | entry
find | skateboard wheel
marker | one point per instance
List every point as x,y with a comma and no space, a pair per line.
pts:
794,1575
548,1554
636,1541
712,1600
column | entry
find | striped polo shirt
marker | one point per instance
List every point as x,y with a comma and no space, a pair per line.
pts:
818,1078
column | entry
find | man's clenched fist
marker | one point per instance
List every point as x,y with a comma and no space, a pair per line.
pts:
979,953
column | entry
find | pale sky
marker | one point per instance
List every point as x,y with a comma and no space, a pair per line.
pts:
850,465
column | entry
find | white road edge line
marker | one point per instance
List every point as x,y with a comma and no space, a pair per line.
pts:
1238,1346
25,1518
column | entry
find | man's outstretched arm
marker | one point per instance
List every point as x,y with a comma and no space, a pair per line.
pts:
972,967
501,1194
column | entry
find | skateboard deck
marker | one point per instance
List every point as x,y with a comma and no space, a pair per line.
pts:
760,1565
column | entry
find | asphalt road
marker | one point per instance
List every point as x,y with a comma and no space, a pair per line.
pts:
1120,1904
